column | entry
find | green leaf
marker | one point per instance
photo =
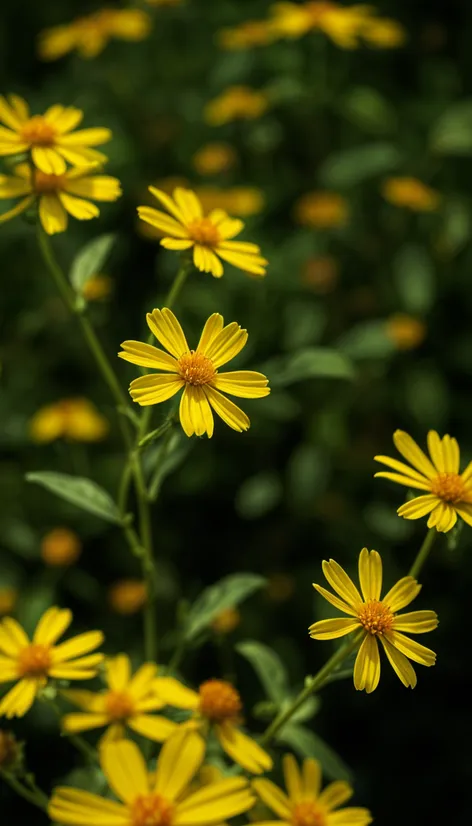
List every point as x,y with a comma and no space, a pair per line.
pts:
268,667
367,340
414,278
258,495
367,109
90,260
457,226
224,594
307,472
352,166
310,363
78,491
452,133
307,744
165,457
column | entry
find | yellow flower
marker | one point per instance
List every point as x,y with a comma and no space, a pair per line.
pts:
97,288
246,35
30,663
377,620
448,493
242,201
60,547
8,600
217,706
294,20
405,331
343,25
89,35
321,210
236,103
305,804
210,235
127,596
321,274
127,702
411,194
49,137
196,371
74,419
57,195
384,33
214,158
226,621
157,801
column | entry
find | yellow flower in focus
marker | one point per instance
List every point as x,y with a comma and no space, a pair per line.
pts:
8,600
246,35
127,596
210,236
31,662
60,547
448,494
97,288
214,158
226,621
242,201
305,804
49,137
126,703
383,33
236,103
321,274
411,194
217,706
405,331
57,196
321,210
196,371
377,619
74,419
89,35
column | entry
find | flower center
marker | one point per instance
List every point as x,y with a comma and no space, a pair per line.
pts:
38,132
307,813
196,368
151,810
318,10
449,487
376,617
47,183
34,661
119,705
219,701
203,231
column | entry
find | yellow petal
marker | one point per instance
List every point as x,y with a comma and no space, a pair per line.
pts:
118,671
195,412
416,622
418,507
17,210
215,803
175,694
402,593
168,204
465,512
274,798
125,770
77,646
311,777
86,700
188,204
370,574
342,583
52,625
350,816
411,649
243,749
163,222
145,355
417,479
11,187
64,118
176,244
78,207
231,414
367,665
337,793
413,454
12,637
77,722
96,187
227,344
252,264
179,760
85,137
8,670
9,115
52,214
19,699
141,685
338,603
293,779
245,384
48,160
451,454
75,807
443,517
155,389
211,330
402,667
229,228
153,727
331,629
165,326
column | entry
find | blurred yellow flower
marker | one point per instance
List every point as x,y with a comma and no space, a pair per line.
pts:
97,288
196,371
57,196
246,35
75,419
405,331
127,596
214,158
217,706
226,621
164,2
377,620
8,600
383,33
236,103
31,663
344,25
305,804
60,546
448,494
126,702
411,193
321,210
321,274
186,227
89,35
242,201
49,137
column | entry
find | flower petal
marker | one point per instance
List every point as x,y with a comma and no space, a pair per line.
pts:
145,355
19,699
12,187
231,414
214,803
64,118
78,207
188,204
154,727
404,470
367,665
85,137
77,646
334,600
443,517
125,770
229,228
418,507
213,326
252,264
227,344
17,210
52,214
243,749
311,777
465,512
168,204
10,115
12,637
176,244
155,388
75,807
245,384
331,629
274,798
163,222
335,794
413,454
412,649
293,779
52,625
400,664
96,187
179,760
342,583
118,671
370,574
173,693
78,721
141,684
195,412
48,160
402,593
416,622
164,325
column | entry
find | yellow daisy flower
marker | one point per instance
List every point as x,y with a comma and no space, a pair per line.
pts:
196,371
57,195
74,419
60,546
31,662
49,137
377,620
144,801
210,235
89,35
305,804
344,25
322,210
217,706
448,494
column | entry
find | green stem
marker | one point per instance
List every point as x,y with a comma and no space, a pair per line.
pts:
80,744
178,283
34,796
423,553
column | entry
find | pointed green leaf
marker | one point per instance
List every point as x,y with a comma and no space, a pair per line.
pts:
90,260
226,593
268,667
78,491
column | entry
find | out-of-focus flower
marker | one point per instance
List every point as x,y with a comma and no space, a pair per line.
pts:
321,274
405,331
226,621
60,546
57,196
49,137
305,804
10,750
376,620
448,494
242,201
236,103
210,236
75,419
89,35
321,210
97,288
214,158
8,600
246,35
215,705
31,663
126,703
164,2
127,596
280,587
411,194
383,33
196,371
344,25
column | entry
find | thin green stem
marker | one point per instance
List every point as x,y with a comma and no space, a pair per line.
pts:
423,553
178,283
34,795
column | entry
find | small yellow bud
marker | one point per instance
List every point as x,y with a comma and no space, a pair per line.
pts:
127,596
8,600
226,621
60,547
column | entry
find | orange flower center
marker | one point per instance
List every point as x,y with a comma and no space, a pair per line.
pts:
34,661
307,813
219,701
203,231
38,132
119,705
151,810
196,368
47,183
449,487
376,617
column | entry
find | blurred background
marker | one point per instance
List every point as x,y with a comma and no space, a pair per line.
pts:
351,167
